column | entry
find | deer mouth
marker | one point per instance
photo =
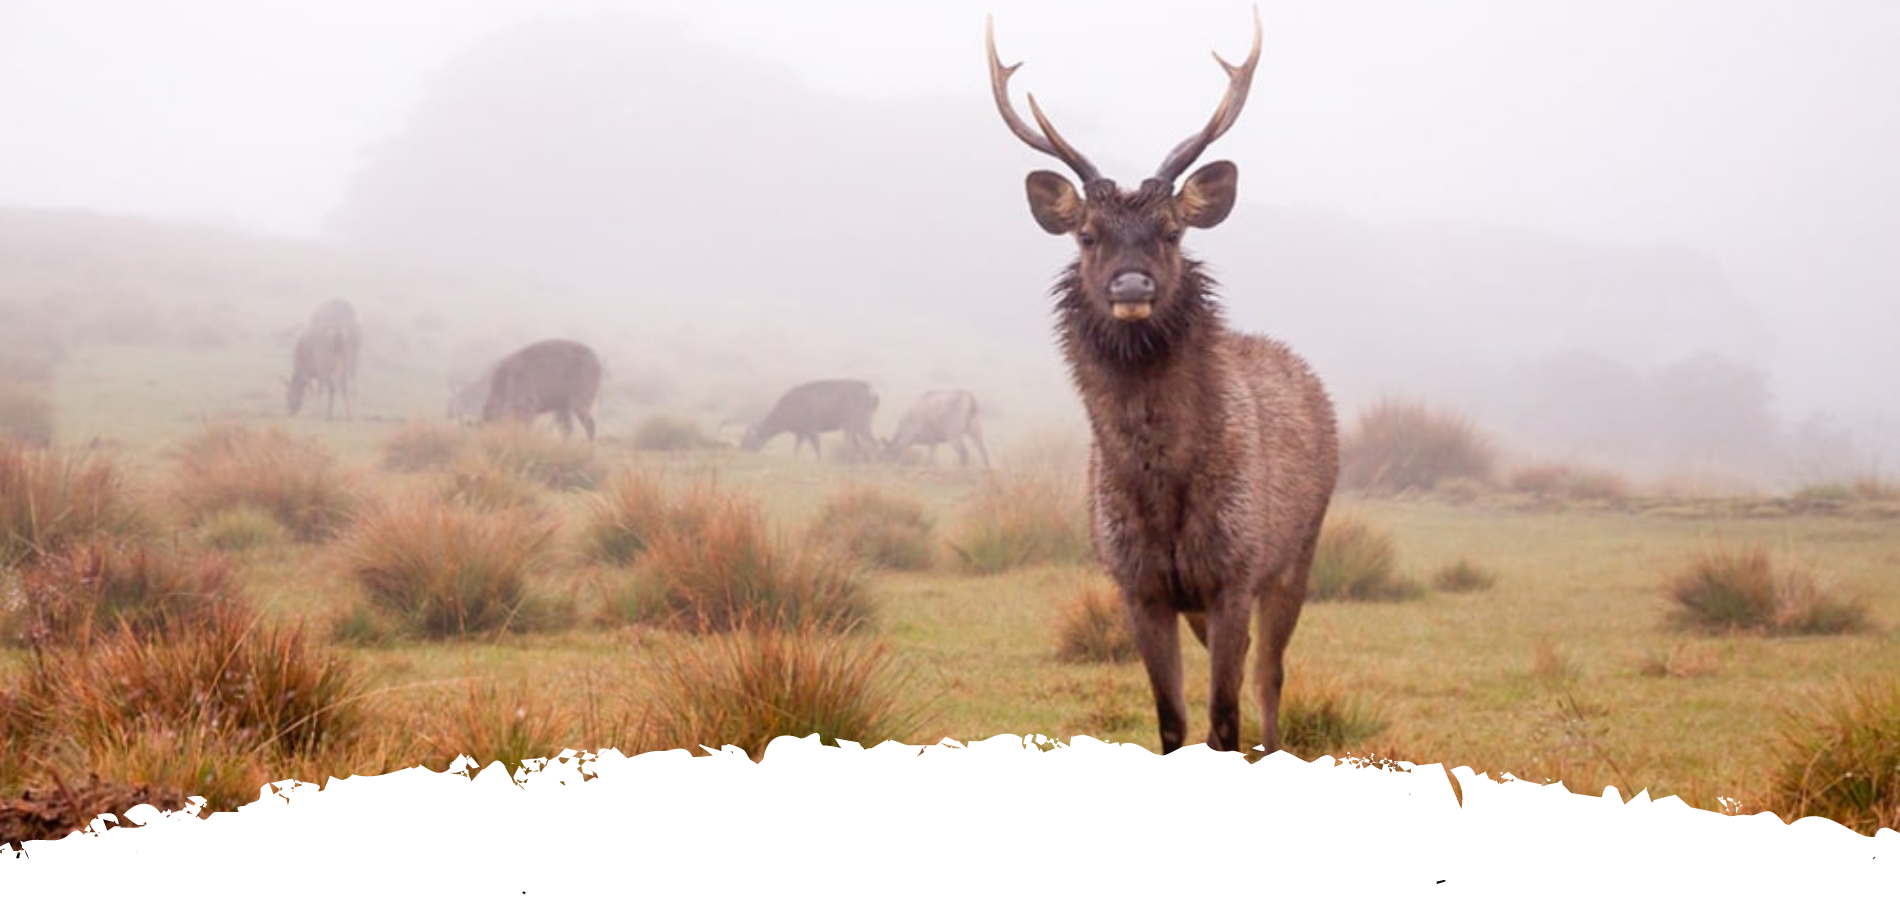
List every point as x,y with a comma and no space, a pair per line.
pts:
1132,312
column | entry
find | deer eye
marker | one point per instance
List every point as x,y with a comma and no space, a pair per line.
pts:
1172,236
1085,238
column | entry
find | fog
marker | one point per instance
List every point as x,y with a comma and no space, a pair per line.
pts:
1652,233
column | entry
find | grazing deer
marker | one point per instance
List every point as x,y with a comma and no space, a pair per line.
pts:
939,417
326,355
554,376
1213,453
814,408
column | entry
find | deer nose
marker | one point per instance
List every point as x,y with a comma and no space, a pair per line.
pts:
1131,287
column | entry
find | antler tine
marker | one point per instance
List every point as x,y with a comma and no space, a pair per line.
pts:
1239,79
1049,141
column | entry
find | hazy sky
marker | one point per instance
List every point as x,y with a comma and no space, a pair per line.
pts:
1764,133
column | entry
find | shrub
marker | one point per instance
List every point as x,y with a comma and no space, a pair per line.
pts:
1839,758
669,433
745,688
1463,576
102,586
1399,446
418,446
1739,591
1356,561
733,572
1561,482
1093,628
442,570
226,467
561,464
241,528
1024,518
50,499
26,415
884,531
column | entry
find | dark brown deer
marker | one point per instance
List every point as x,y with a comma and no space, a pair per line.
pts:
1213,453
555,376
814,408
325,356
939,417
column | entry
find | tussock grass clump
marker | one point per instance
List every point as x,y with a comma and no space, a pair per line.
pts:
490,487
419,446
747,687
1093,628
1463,576
633,509
1023,518
50,499
664,433
733,572
241,528
562,464
1321,718
102,586
491,723
1400,446
227,467
1556,481
1729,590
1839,758
443,570
49,815
883,530
26,415
1356,560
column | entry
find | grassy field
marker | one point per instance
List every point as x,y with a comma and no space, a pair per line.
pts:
1556,660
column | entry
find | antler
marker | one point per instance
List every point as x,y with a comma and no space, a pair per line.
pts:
1049,141
1238,80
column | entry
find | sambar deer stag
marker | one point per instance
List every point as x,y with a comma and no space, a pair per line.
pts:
553,376
815,407
325,356
1213,453
939,417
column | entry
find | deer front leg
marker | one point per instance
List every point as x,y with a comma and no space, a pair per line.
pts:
1158,638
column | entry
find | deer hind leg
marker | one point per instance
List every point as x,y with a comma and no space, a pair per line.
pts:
1227,640
963,454
587,422
1159,640
977,439
1279,612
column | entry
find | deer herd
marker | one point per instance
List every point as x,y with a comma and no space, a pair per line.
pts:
1213,453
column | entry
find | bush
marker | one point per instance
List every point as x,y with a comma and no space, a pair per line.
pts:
745,688
669,433
103,586
733,572
441,570
26,415
1400,446
1356,561
1024,518
241,528
49,500
1093,628
561,464
228,467
419,446
1739,591
884,531
1840,758
1463,576
1554,481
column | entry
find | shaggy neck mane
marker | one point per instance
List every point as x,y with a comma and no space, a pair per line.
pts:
1089,336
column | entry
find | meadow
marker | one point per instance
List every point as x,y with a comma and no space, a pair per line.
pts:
203,595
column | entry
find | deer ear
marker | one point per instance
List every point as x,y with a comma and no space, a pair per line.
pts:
1054,202
1208,196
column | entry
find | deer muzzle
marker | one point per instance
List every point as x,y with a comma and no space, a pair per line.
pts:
1131,296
